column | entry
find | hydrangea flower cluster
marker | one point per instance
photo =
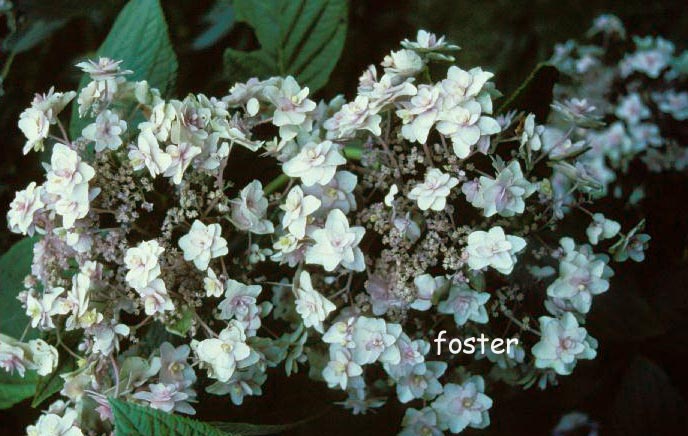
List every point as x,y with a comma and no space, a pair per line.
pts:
413,208
638,88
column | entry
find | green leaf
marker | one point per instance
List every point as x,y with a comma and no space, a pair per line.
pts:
14,389
139,37
53,382
244,429
32,34
15,264
220,19
535,93
301,38
135,420
181,327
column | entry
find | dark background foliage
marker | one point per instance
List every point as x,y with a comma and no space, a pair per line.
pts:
638,383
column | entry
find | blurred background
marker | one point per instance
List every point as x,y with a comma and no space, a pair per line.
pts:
636,386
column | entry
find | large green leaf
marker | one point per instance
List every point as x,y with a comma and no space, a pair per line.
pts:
14,389
135,420
220,20
244,429
49,385
302,38
15,264
140,39
32,34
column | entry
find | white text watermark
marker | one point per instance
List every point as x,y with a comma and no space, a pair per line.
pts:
472,345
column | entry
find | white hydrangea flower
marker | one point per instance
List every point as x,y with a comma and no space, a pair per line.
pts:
315,163
336,244
426,285
632,109
505,194
77,301
311,304
340,368
104,69
106,131
155,298
421,382
79,238
461,85
432,193
212,285
55,425
239,300
52,103
373,340
35,126
463,405
23,208
562,344
336,194
407,227
411,357
67,171
223,354
608,24
420,113
149,154
297,207
426,41
601,228
13,357
180,158
651,57
493,248
465,304
382,295
166,397
673,103
174,367
257,255
142,263
41,308
352,117
402,64
420,422
43,356
292,106
249,210
646,134
341,333
75,206
465,124
580,277
241,93
384,93
106,336
160,121
531,137
203,243
389,197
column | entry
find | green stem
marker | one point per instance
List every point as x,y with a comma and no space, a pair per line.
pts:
7,65
276,183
